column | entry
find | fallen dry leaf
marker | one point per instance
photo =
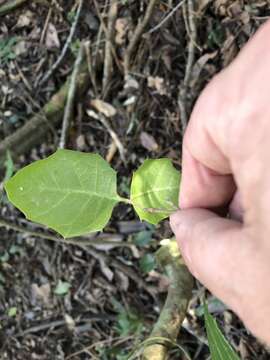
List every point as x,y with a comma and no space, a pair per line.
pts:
25,19
121,27
20,48
198,67
41,293
157,83
148,141
52,39
104,107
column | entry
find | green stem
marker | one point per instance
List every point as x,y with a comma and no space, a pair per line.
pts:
124,200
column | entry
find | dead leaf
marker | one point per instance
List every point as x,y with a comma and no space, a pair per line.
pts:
104,107
106,271
69,322
25,19
80,142
123,281
131,83
199,66
20,48
148,141
52,39
41,293
121,27
229,50
157,83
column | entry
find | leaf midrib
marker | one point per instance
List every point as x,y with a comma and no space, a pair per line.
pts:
83,192
154,191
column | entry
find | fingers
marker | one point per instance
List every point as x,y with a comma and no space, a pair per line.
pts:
213,250
206,171
203,187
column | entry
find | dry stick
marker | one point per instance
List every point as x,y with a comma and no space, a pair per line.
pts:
104,28
91,71
107,72
166,330
137,35
167,17
70,98
30,134
10,5
100,240
114,136
182,97
57,323
44,31
66,46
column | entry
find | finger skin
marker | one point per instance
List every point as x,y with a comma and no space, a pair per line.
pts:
225,159
222,255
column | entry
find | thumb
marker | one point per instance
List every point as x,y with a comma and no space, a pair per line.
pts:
213,250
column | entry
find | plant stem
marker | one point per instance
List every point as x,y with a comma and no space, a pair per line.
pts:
124,200
174,310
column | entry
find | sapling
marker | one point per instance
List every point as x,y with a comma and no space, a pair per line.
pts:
74,193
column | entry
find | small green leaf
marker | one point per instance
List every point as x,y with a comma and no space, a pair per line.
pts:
12,312
147,263
4,257
219,347
155,189
9,165
71,192
62,288
143,238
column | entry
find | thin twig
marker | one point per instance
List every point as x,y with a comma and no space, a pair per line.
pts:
192,42
104,28
57,323
137,35
91,71
45,26
70,99
167,17
107,71
117,264
192,31
114,136
98,240
10,5
120,340
66,46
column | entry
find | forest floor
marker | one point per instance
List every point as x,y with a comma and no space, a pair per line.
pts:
63,301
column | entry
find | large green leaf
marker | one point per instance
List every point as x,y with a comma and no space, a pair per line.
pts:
71,192
155,189
219,347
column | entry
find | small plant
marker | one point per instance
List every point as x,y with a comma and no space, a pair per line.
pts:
6,49
74,193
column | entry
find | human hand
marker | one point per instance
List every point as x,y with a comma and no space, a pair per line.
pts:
226,160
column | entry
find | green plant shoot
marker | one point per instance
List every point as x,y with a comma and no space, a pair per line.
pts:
74,193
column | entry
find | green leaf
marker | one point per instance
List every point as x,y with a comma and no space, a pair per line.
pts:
219,347
143,238
62,288
71,192
147,263
12,312
155,189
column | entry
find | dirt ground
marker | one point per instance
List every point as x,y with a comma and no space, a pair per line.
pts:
66,301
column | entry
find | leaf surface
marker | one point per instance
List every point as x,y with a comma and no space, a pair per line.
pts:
219,347
155,189
71,192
